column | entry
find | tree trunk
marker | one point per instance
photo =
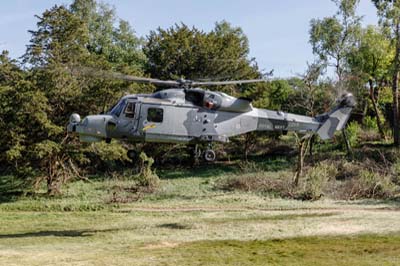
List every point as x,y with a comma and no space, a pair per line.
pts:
395,90
346,141
312,140
378,116
302,147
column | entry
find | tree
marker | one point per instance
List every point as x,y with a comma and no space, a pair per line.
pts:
311,95
389,18
111,48
118,45
57,46
370,60
333,37
309,98
59,53
24,121
183,52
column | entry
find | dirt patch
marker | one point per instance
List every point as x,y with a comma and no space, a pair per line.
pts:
163,244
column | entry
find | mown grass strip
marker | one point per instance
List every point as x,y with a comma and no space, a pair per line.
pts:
338,250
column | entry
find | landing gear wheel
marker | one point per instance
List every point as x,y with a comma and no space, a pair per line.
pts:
133,155
209,155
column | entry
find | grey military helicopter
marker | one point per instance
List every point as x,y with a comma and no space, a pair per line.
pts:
186,113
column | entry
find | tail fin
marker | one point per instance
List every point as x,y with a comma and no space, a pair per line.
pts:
337,118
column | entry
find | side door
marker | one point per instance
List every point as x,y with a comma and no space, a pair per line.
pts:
152,123
129,118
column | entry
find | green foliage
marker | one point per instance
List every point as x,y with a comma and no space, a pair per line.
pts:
183,52
315,181
353,131
325,35
146,177
71,43
388,13
270,95
311,95
371,57
117,45
37,101
24,116
371,185
370,123
113,151
333,37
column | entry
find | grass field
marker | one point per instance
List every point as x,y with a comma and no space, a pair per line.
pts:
189,222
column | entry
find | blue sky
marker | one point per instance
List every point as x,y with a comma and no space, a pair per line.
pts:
277,30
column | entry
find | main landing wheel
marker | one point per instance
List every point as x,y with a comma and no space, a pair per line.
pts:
209,155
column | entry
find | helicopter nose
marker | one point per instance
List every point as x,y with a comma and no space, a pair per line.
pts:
74,119
91,129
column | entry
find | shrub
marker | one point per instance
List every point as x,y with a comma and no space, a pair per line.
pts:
258,182
368,177
370,123
353,130
315,181
146,177
369,185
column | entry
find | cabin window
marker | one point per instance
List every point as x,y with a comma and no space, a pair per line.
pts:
130,110
155,115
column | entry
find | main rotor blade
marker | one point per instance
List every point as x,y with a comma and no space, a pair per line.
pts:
146,80
228,82
114,75
169,83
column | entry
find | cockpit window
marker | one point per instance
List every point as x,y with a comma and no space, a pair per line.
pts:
130,110
196,97
117,109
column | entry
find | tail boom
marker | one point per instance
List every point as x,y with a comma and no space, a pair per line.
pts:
324,125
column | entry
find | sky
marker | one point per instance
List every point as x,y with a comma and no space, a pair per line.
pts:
277,30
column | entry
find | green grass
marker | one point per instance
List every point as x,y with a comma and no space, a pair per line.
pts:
188,222
360,250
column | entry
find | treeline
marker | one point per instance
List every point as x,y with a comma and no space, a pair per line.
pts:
51,80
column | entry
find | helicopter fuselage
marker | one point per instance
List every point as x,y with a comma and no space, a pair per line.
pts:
196,116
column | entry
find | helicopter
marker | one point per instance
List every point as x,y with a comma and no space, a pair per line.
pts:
186,113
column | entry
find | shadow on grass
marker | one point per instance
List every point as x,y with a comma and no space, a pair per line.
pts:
6,197
280,217
10,188
203,171
61,233
272,163
175,226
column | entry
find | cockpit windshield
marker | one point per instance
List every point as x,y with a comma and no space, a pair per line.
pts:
117,109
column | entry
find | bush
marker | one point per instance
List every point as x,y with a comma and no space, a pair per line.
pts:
134,184
369,135
258,182
369,185
374,175
315,181
353,131
370,123
146,177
